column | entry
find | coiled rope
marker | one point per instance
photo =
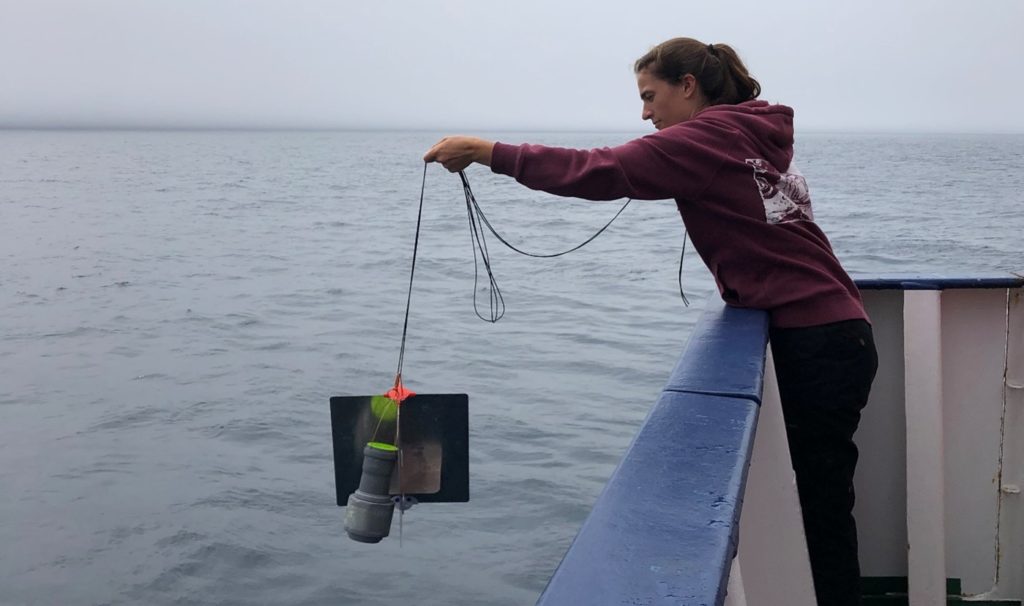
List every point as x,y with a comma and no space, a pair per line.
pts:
477,221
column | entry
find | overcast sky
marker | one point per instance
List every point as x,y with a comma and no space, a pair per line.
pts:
914,65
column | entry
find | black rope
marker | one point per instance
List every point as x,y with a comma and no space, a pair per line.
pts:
473,207
412,272
478,238
682,254
478,218
479,243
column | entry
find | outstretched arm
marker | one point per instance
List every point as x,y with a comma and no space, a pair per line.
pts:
677,164
456,153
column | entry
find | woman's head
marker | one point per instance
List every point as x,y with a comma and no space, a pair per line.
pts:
682,75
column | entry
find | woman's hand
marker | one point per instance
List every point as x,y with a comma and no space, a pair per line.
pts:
456,153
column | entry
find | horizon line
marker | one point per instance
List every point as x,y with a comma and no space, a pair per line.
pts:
116,127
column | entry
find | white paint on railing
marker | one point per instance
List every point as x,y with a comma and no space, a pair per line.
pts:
973,358
939,483
1009,581
973,340
881,479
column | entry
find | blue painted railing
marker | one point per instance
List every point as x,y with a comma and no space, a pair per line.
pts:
917,282
664,529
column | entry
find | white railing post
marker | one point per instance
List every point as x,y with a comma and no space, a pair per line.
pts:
926,523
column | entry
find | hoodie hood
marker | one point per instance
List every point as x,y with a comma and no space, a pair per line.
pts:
769,127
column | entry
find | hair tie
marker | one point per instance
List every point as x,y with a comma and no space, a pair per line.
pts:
711,50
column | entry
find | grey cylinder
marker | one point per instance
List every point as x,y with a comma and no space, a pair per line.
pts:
370,508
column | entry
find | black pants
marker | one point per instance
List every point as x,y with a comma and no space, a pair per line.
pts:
824,374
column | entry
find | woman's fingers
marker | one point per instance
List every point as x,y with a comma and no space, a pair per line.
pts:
454,153
442,151
432,153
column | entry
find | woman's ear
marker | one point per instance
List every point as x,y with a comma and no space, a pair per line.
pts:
689,84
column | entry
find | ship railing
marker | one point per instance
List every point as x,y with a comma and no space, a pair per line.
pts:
703,508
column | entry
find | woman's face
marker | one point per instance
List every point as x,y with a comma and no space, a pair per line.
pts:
666,103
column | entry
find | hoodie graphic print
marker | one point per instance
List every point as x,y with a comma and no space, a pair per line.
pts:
785,195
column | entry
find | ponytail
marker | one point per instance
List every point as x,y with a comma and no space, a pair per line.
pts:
722,76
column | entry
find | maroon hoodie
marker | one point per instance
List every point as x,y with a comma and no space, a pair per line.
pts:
745,205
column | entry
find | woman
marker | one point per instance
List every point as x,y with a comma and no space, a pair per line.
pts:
726,159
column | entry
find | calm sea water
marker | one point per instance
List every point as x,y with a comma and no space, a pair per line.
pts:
176,308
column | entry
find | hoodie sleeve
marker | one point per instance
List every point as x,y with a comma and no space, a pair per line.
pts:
678,162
